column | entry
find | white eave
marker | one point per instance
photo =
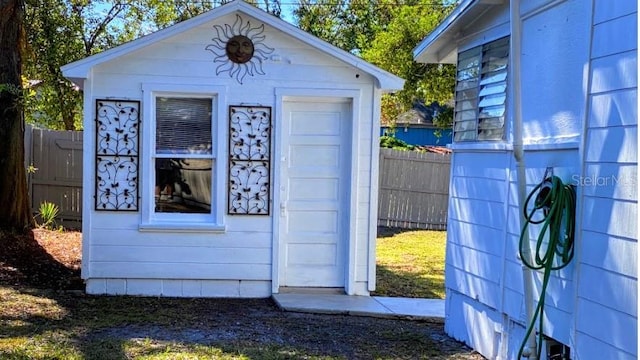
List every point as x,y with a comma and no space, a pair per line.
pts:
79,70
441,44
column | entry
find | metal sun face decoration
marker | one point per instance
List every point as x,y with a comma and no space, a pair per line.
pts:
239,49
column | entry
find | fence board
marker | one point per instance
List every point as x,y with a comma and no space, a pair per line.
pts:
57,156
413,186
413,189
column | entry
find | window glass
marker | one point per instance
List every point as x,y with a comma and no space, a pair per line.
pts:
183,185
492,100
497,88
183,165
465,125
481,92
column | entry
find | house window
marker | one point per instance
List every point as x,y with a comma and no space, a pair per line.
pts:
481,92
184,161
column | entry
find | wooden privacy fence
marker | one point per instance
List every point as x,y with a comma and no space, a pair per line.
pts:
56,158
413,189
414,186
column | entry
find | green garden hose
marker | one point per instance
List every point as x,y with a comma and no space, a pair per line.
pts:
557,201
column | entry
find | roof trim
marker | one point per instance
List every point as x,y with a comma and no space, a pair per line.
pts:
79,70
440,45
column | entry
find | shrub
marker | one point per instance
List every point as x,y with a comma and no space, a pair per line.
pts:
393,143
48,213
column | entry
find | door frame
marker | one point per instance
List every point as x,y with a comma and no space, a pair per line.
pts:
307,95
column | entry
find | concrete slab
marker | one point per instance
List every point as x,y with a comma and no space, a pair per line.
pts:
431,309
330,304
420,308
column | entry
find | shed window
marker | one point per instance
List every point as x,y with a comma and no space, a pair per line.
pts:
481,86
183,160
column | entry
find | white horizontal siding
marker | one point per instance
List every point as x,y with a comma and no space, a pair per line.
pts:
594,348
514,308
490,214
612,144
616,72
179,270
564,163
616,108
609,180
604,44
469,320
180,254
475,287
469,235
473,261
480,165
606,313
599,87
622,222
610,253
479,189
608,325
617,292
230,239
294,74
605,10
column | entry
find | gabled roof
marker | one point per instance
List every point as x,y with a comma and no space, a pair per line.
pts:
79,70
440,45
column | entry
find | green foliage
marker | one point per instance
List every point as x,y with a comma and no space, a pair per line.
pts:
385,32
392,50
444,119
59,32
393,143
55,37
48,212
349,25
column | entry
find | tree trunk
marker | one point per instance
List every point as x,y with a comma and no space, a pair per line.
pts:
15,214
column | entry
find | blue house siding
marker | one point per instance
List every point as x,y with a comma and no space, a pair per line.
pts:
420,135
609,186
579,103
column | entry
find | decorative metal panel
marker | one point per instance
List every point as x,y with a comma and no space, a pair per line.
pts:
239,49
117,155
249,160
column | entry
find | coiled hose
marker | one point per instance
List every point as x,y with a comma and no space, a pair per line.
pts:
557,202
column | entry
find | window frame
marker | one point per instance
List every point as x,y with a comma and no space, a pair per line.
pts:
208,222
462,103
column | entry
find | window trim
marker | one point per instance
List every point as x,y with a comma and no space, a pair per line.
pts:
481,49
215,221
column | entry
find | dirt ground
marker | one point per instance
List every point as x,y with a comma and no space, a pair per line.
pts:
51,260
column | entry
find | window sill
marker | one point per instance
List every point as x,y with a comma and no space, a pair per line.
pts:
481,146
502,146
182,227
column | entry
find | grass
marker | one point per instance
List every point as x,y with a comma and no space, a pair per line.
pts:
410,264
52,324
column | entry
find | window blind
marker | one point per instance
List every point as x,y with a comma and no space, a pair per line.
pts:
183,125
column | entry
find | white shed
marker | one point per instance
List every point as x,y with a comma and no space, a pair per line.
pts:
563,74
231,155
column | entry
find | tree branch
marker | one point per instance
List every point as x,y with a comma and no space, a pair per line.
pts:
111,15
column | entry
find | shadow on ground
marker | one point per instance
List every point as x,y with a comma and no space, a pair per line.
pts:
40,320
396,283
24,262
385,231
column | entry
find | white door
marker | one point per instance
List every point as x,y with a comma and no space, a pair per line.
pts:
314,193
